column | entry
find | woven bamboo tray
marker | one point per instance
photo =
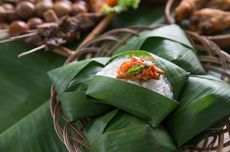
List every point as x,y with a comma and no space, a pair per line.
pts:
210,55
222,40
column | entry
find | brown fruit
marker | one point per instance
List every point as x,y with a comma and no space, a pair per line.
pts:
37,1
62,8
7,6
3,15
25,9
79,7
50,16
42,7
18,27
33,22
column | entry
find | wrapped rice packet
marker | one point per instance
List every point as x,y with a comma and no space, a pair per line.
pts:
147,89
204,103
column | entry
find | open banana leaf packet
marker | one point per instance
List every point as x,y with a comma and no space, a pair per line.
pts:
132,117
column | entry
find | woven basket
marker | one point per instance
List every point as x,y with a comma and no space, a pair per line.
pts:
210,55
222,41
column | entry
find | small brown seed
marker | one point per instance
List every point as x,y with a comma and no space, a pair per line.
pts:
62,8
50,16
25,9
37,1
7,6
3,14
18,27
79,7
42,7
33,22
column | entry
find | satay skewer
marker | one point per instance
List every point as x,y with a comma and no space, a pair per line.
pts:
98,29
32,51
66,29
18,37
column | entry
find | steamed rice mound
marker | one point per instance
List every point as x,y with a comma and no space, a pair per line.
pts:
160,86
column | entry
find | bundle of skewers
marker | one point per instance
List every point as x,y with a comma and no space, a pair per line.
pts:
50,24
205,16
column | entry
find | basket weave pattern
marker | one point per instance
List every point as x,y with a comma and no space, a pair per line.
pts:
211,56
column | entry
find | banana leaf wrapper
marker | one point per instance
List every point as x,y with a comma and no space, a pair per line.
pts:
147,105
125,133
71,81
204,104
62,77
170,43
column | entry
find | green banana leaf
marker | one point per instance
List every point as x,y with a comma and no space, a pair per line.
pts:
62,77
76,105
168,42
96,127
141,102
110,121
196,140
72,80
24,107
105,131
135,139
169,32
205,100
202,86
82,79
177,53
41,136
123,120
175,75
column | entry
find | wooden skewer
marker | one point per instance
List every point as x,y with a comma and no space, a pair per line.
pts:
17,37
32,51
4,30
60,50
23,36
4,34
63,51
94,14
98,29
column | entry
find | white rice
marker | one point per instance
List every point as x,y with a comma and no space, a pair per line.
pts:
161,86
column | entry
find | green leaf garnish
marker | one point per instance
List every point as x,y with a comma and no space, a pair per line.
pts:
135,69
122,5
